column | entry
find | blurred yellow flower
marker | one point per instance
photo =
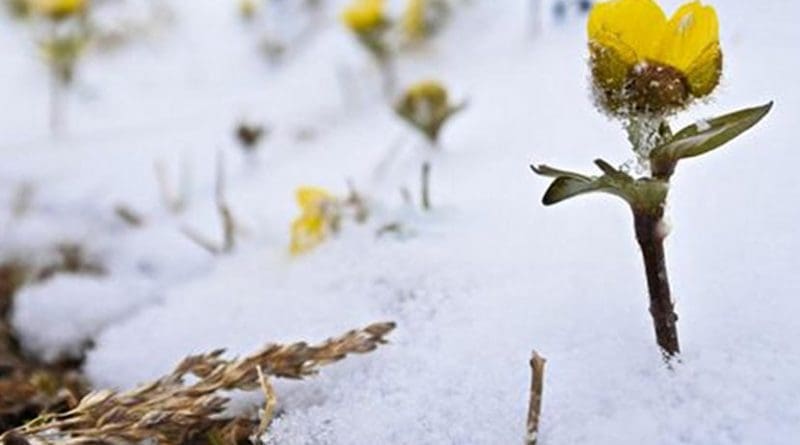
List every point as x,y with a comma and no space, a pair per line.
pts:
414,22
318,218
248,8
643,62
426,106
363,16
58,9
430,91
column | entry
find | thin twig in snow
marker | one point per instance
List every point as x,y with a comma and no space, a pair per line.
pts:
535,405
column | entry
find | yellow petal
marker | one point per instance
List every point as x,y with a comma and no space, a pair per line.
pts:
364,15
609,73
704,73
431,91
690,32
311,196
58,8
312,226
414,25
631,28
308,231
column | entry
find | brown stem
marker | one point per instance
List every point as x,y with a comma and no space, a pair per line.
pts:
535,404
650,235
425,186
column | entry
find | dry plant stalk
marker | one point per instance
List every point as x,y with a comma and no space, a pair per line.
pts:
535,405
128,215
425,187
228,222
226,217
172,412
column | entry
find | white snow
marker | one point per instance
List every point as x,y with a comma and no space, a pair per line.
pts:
685,23
474,285
84,306
702,125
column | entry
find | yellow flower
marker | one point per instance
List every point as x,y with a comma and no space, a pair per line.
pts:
414,22
319,217
59,9
426,106
430,91
363,16
644,63
248,8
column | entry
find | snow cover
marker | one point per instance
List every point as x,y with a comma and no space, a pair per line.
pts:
474,286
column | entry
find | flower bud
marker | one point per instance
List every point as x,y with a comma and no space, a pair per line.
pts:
425,105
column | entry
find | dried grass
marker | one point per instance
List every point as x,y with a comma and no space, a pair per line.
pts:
227,220
27,387
172,411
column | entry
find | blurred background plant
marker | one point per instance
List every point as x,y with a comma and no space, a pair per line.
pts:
422,19
321,216
66,30
369,22
63,36
281,28
18,9
426,107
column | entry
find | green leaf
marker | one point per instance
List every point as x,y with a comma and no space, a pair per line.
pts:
570,184
564,188
612,172
645,194
551,172
701,138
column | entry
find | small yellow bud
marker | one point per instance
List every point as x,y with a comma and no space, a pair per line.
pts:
426,106
414,21
248,8
59,9
364,16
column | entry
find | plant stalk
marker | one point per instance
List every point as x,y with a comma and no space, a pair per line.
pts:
425,186
650,235
535,403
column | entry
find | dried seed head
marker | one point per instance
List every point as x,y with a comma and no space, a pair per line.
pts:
171,411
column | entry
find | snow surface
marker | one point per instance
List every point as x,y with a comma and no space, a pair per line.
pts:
474,286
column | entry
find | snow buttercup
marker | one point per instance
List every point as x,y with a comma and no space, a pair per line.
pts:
645,69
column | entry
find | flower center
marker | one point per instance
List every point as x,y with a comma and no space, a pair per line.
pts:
655,88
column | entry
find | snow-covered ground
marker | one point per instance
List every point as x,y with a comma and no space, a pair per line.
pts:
474,285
